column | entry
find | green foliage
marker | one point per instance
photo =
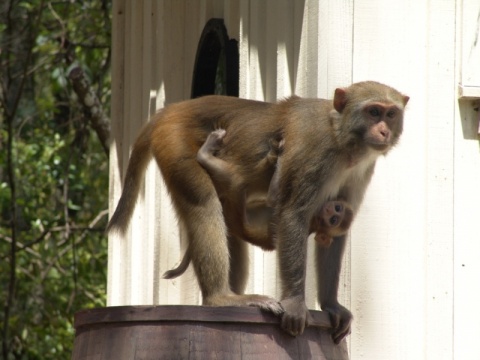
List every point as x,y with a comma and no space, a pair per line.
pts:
53,173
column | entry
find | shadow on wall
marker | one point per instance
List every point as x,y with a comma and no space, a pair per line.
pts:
470,116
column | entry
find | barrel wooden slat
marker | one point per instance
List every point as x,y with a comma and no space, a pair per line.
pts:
197,332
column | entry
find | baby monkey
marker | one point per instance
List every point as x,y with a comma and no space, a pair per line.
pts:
332,219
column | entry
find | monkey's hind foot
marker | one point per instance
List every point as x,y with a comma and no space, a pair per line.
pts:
214,141
263,302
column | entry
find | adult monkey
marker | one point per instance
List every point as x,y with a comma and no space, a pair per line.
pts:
330,152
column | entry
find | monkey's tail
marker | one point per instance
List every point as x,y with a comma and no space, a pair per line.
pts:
180,269
141,155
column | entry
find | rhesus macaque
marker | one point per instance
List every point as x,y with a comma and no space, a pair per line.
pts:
330,152
333,219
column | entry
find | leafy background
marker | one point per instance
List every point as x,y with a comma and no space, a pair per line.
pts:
53,172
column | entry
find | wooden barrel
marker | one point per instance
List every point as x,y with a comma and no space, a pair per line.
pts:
197,332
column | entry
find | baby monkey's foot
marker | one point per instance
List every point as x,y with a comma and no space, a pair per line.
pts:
214,141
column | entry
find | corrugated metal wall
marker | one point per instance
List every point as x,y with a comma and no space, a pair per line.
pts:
411,271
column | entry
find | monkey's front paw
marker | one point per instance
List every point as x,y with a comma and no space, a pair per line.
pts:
341,320
296,315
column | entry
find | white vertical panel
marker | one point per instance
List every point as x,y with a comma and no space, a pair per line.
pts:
116,256
205,9
284,47
256,50
440,112
470,42
266,42
174,55
271,13
334,69
218,7
177,67
307,72
252,86
152,177
231,16
377,297
138,114
467,191
325,41
146,248
467,234
335,42
192,31
154,55
402,238
161,216
388,274
122,248
132,108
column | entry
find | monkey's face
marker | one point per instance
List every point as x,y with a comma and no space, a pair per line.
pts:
372,113
333,214
384,124
335,218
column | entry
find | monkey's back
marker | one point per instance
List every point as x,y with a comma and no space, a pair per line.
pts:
250,125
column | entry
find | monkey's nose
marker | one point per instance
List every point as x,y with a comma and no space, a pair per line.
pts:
385,134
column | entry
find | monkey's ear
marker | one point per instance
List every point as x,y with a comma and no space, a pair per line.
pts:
340,99
405,99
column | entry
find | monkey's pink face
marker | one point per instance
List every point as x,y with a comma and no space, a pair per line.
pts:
384,124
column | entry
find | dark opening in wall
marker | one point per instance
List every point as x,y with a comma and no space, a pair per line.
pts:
216,64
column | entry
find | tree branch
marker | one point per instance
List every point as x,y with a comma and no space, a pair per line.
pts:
87,96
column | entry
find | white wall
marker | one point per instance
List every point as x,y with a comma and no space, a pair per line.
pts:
411,271
466,200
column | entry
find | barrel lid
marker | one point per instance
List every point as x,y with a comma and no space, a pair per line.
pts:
187,313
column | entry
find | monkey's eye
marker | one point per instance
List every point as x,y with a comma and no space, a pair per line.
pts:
334,220
338,208
391,114
374,111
